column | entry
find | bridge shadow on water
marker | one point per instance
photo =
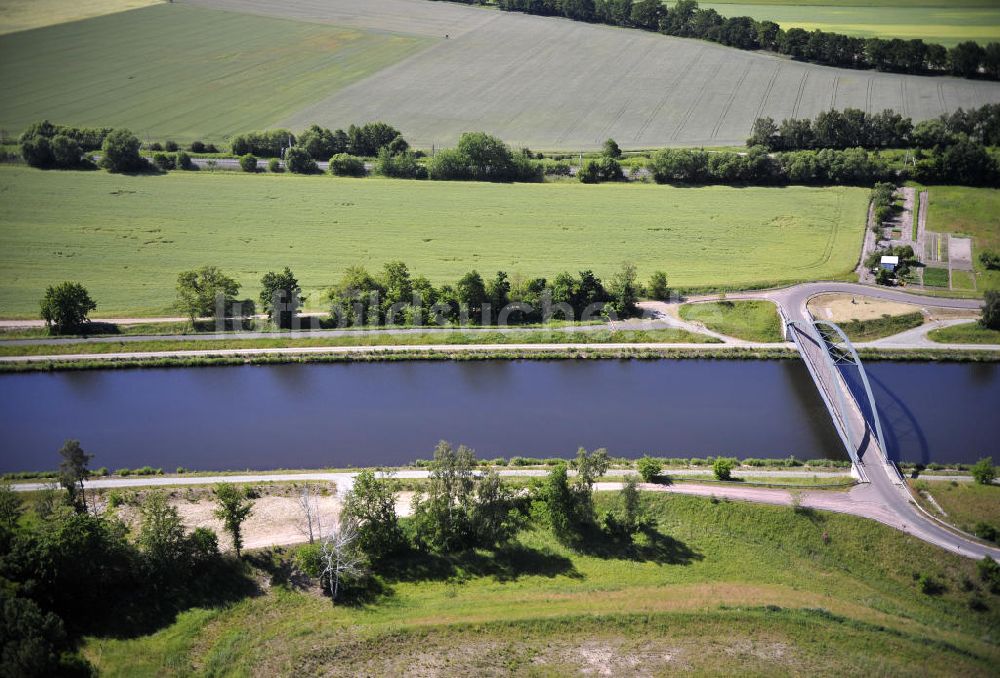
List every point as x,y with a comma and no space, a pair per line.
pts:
904,437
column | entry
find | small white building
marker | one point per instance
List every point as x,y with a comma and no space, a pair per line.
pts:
889,263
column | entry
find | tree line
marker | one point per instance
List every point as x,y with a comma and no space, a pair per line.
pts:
964,163
853,128
392,297
687,20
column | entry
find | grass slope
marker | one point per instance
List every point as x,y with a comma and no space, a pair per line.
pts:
749,320
183,72
878,328
965,503
933,21
127,238
967,333
721,585
971,212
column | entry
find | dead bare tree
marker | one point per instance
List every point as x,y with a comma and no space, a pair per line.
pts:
310,524
342,559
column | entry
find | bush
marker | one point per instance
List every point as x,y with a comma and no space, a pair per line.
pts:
183,161
274,165
308,558
170,146
989,573
344,165
121,152
990,318
123,472
983,471
320,142
658,288
248,162
601,170
990,260
298,161
266,144
155,146
649,468
986,531
929,586
371,138
163,161
481,157
401,166
723,468
197,147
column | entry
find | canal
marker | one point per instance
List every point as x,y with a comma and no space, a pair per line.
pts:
365,414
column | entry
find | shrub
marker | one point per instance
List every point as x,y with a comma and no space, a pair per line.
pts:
170,146
320,142
649,468
611,149
248,162
986,531
155,146
990,260
658,288
370,138
481,157
308,558
66,152
37,151
266,144
183,161
163,161
990,318
983,471
401,166
298,161
197,147
344,165
121,152
274,165
723,468
601,170
181,470
989,573
123,472
929,586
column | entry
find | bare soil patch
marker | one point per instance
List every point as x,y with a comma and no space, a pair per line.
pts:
846,307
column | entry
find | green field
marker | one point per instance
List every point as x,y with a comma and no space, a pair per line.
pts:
747,320
936,277
973,212
127,237
721,587
967,333
183,72
932,20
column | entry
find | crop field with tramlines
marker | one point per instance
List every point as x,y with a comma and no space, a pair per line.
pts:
543,82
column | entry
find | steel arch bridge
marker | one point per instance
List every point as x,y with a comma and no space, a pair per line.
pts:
837,352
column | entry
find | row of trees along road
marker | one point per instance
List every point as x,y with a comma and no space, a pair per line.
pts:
392,297
686,19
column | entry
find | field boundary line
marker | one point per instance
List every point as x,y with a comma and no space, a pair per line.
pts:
940,91
695,103
695,58
767,93
732,98
833,93
798,96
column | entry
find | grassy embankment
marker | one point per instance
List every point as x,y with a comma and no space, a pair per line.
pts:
669,336
747,320
878,328
718,585
968,333
968,212
965,504
180,71
126,238
948,23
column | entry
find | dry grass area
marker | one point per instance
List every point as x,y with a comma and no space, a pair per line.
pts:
21,15
845,307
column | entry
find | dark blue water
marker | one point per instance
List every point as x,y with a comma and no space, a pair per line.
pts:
323,415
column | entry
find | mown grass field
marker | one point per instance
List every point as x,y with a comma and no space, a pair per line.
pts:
19,15
938,21
973,212
182,72
720,587
747,320
126,238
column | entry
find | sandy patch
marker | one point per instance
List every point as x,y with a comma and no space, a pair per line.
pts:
844,307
